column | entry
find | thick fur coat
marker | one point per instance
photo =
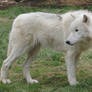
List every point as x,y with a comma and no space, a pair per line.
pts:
33,31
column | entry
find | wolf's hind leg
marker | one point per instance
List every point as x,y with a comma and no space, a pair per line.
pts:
7,63
26,65
15,54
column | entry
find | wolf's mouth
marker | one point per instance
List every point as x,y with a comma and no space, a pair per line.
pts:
70,44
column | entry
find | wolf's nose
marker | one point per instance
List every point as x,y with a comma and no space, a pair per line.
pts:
68,42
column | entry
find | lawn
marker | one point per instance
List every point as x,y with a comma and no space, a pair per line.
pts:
49,67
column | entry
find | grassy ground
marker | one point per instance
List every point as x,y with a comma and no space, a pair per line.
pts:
49,67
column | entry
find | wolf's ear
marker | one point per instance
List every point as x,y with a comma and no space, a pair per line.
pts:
85,19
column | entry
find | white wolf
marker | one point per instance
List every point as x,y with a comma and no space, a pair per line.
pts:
32,31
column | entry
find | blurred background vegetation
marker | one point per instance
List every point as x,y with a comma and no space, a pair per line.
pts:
5,3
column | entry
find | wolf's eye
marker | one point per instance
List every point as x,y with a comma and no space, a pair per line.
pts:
76,30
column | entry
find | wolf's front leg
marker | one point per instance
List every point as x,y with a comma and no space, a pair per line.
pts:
71,62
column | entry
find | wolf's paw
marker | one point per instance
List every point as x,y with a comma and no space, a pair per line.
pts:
74,83
5,81
32,81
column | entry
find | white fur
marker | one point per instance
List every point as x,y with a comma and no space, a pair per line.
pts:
32,31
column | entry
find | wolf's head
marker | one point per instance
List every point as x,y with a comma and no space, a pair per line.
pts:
79,31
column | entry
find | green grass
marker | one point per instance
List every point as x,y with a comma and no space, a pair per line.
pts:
12,12
49,67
